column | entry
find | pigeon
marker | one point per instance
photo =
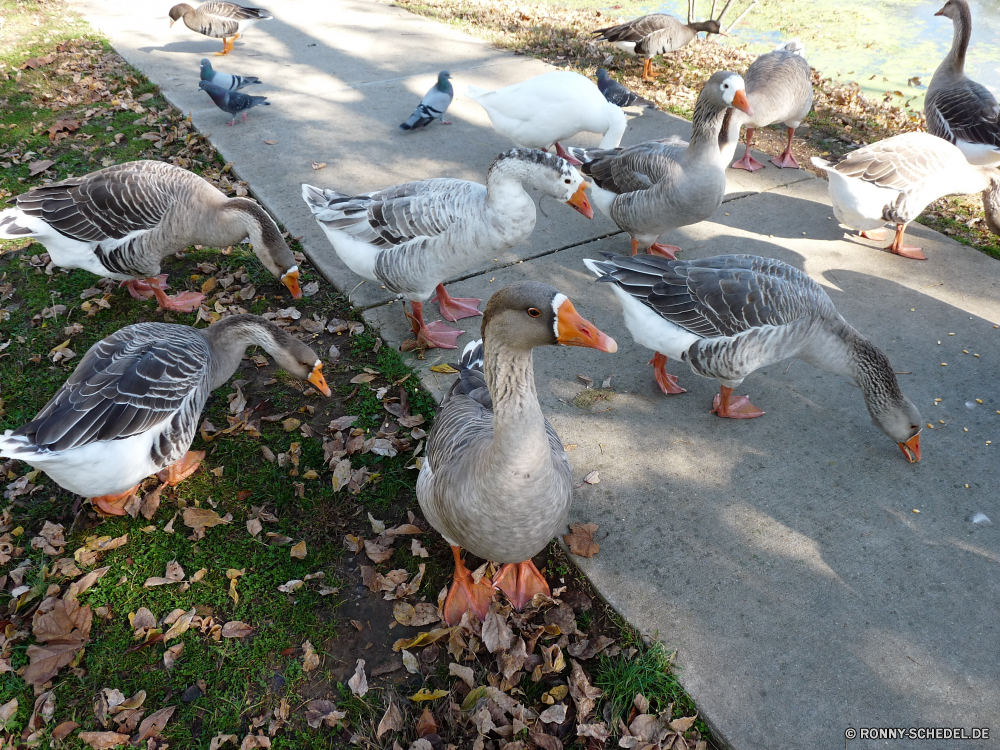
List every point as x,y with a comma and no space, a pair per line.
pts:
618,94
233,102
224,80
433,105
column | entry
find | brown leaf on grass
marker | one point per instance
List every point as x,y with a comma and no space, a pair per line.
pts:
583,693
298,551
392,720
254,527
33,63
546,741
63,730
7,710
465,674
376,552
365,377
237,629
143,619
153,724
255,741
323,712
63,126
180,626
103,740
426,724
342,423
78,587
200,519
497,635
64,630
174,574
554,714
598,731
683,724
37,167
171,655
151,502
359,682
422,639
221,739
580,539
410,662
310,659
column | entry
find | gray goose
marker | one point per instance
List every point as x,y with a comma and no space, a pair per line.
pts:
496,480
958,109
779,88
729,315
131,407
896,179
122,221
219,20
655,187
654,34
411,237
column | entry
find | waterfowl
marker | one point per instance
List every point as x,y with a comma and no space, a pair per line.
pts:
779,88
544,110
122,221
411,237
729,315
654,187
958,109
495,479
654,34
219,20
131,407
896,179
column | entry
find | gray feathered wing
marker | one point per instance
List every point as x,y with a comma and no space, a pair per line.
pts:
967,112
631,169
136,379
431,107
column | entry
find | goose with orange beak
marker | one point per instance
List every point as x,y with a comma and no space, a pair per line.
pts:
495,479
132,406
410,238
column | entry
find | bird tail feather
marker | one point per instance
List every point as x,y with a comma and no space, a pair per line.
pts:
10,229
474,92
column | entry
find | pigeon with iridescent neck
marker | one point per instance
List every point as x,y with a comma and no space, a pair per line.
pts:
224,80
233,102
433,105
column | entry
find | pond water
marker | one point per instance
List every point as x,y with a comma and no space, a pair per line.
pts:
881,44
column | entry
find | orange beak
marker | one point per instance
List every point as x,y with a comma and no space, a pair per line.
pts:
911,448
317,379
172,22
580,203
291,280
741,103
575,330
940,12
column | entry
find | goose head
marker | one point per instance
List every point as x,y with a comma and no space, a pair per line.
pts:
709,27
952,9
179,11
290,354
728,89
899,420
546,172
527,314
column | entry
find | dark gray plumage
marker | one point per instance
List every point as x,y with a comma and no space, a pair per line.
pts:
433,105
233,102
618,93
654,34
225,81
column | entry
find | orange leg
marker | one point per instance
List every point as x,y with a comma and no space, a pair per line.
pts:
453,308
145,288
647,70
436,334
734,408
180,470
113,505
786,160
466,595
520,582
666,381
748,162
667,251
907,251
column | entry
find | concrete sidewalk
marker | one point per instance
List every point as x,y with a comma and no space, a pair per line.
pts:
783,557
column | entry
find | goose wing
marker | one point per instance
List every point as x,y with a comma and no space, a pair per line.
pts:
126,384
638,28
232,10
634,168
109,204
966,111
897,163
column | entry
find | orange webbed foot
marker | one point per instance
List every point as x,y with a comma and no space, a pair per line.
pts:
724,405
465,594
113,505
666,381
520,582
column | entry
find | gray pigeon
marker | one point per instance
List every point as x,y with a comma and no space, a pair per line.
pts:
224,80
233,102
433,105
618,94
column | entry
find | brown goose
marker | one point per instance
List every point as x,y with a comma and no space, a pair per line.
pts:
496,480
729,315
959,109
121,221
219,20
131,407
655,34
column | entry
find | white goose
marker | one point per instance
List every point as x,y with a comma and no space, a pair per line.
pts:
412,237
729,315
958,109
495,479
896,179
122,221
546,109
131,407
652,188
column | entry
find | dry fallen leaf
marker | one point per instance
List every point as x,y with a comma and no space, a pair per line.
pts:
580,540
465,674
426,724
392,720
37,167
593,477
318,165
497,635
359,682
298,551
310,659
171,655
444,369
427,695
323,712
410,662
270,143
7,710
236,629
64,630
220,739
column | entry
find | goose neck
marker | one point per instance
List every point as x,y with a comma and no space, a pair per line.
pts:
518,424
228,340
706,126
505,183
872,371
960,41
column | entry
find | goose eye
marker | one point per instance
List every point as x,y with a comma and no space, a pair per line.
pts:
534,312
567,180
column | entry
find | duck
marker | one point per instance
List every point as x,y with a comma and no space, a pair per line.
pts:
549,108
957,108
779,88
120,222
495,479
896,179
729,315
654,34
654,187
411,237
219,20
131,407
